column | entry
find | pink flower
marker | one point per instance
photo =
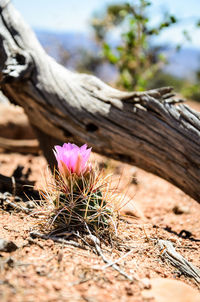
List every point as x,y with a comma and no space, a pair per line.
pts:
72,159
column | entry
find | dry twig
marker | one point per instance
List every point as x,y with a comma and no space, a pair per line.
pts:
56,239
17,207
100,253
169,253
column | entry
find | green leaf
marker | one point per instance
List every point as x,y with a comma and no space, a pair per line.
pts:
113,59
198,23
173,19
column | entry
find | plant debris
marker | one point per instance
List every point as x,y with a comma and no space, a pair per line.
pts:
169,253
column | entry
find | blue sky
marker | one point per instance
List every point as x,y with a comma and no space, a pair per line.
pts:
74,15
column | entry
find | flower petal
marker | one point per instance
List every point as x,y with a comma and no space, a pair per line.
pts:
72,159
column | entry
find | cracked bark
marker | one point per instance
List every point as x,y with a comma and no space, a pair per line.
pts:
149,129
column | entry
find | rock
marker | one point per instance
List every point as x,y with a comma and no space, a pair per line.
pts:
18,199
165,290
179,209
133,172
30,204
41,270
7,246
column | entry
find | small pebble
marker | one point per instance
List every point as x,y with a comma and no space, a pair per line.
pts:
129,291
30,205
41,270
7,194
7,246
179,209
18,199
146,283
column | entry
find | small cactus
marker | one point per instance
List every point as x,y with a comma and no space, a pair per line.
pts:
77,208
78,193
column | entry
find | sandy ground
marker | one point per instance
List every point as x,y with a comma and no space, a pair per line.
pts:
42,270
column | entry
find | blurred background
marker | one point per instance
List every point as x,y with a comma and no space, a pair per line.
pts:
133,45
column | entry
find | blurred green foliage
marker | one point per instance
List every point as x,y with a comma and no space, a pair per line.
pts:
185,87
162,79
126,35
137,61
191,91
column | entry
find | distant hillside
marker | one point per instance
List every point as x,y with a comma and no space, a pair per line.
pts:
74,43
70,41
182,64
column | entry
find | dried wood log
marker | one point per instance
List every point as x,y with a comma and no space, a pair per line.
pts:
146,129
21,146
18,186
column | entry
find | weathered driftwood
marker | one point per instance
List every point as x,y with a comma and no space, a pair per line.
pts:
21,146
169,253
145,129
18,186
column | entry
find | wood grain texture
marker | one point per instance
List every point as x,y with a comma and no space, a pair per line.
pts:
148,129
21,146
